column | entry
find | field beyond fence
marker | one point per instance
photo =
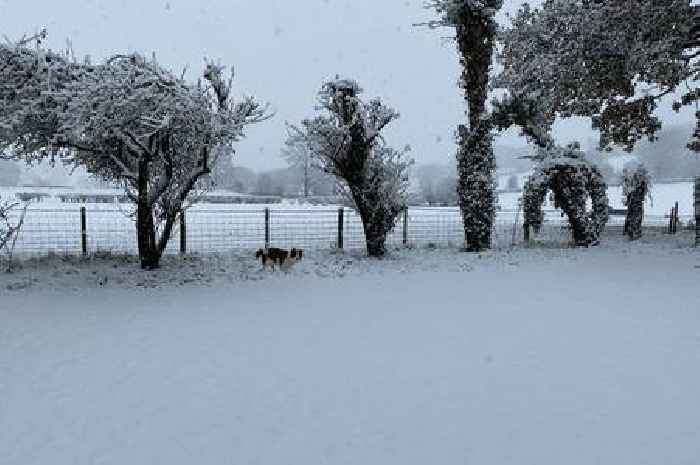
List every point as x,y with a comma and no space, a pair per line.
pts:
75,230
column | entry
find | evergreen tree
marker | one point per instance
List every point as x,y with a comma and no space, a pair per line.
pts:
475,34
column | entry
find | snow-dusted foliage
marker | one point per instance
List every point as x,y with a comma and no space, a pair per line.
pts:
636,186
12,216
128,120
609,60
475,34
346,142
573,181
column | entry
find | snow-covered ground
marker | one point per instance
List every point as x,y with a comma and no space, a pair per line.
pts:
527,356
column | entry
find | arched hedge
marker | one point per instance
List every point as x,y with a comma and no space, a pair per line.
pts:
573,181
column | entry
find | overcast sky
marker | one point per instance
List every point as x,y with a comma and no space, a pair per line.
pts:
282,51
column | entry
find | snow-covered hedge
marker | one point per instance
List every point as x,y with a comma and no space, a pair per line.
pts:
636,186
573,181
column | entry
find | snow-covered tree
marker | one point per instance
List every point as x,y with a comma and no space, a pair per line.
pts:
437,184
227,176
475,25
573,181
297,154
346,142
12,216
636,186
612,61
128,120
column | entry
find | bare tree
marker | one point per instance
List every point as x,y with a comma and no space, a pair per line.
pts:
297,154
12,216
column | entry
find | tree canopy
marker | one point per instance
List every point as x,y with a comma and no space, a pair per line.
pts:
612,61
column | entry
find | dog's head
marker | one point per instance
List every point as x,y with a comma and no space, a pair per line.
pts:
259,253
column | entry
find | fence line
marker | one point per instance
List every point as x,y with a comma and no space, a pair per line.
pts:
209,230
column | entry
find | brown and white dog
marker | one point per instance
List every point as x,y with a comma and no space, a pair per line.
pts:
281,258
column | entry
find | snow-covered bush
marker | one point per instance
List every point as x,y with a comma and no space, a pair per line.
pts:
12,216
127,120
573,181
636,186
346,142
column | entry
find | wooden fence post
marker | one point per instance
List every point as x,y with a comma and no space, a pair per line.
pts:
183,233
341,227
697,211
676,220
405,227
670,222
83,230
267,228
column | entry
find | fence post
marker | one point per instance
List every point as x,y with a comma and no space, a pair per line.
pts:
678,220
670,222
697,211
267,227
183,233
405,227
341,228
83,230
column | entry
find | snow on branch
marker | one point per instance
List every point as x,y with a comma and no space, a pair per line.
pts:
128,120
345,140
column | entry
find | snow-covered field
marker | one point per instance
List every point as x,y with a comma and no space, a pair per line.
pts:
526,356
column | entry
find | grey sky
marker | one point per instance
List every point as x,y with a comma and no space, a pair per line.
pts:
282,51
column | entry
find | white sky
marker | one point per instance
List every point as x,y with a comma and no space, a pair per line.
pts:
282,51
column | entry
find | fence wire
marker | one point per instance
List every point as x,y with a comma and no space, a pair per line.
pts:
220,230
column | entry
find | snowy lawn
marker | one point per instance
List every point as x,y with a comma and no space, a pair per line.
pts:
534,356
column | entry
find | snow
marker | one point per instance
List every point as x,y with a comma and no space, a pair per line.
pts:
542,355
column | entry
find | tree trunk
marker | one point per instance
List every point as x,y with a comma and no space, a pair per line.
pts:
375,232
375,239
476,188
149,254
476,163
635,214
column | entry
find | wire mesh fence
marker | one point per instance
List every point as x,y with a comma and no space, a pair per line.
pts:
211,230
